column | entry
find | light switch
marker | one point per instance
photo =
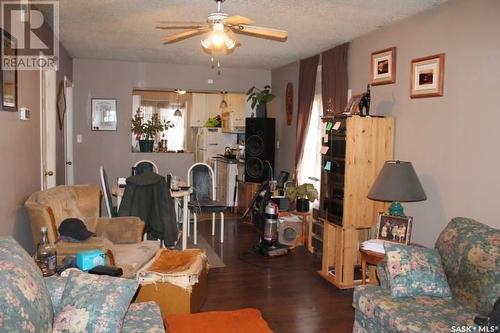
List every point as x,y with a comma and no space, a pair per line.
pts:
79,138
210,81
24,113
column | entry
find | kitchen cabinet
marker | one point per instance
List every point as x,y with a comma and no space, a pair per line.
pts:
212,104
198,110
236,103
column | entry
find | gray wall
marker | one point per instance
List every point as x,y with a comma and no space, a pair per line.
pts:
453,140
20,149
116,79
286,135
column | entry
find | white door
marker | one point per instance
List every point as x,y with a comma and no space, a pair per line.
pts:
48,130
68,133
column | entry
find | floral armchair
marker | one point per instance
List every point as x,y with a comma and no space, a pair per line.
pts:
470,255
29,303
120,237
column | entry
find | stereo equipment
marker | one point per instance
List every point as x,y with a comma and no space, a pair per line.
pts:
290,230
259,149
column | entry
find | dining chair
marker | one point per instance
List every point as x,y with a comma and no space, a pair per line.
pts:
202,179
112,210
144,165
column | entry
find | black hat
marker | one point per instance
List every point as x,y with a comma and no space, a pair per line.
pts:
74,228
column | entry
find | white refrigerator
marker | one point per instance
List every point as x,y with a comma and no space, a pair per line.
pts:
210,142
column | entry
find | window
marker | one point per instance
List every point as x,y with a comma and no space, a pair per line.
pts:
310,165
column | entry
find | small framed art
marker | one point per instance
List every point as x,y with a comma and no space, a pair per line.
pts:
352,107
396,229
383,66
427,76
103,114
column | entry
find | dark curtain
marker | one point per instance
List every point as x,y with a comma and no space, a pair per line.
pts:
307,83
334,79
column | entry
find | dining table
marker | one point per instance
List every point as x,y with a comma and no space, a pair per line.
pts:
182,193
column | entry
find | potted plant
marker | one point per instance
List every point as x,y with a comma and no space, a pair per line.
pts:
145,132
259,99
302,195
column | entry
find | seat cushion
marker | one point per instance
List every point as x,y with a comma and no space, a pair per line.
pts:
25,304
143,317
207,206
131,257
409,314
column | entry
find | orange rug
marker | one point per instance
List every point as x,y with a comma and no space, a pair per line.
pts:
242,321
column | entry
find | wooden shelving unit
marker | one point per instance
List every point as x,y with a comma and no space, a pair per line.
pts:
358,149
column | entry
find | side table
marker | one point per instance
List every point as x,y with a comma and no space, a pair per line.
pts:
371,258
306,227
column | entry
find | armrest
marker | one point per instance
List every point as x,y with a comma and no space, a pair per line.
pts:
121,230
95,243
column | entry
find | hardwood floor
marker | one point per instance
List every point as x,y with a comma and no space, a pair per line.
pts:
287,290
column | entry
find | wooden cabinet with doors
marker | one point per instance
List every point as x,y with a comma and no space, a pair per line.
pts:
358,148
213,105
197,110
236,103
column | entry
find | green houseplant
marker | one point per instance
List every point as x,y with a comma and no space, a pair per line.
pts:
302,195
146,131
260,98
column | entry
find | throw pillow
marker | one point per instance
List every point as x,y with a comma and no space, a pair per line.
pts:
415,271
94,303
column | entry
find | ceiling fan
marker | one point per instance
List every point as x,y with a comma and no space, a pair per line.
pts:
222,29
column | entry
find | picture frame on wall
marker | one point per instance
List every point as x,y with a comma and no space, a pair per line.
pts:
352,107
427,76
8,78
104,114
383,66
395,229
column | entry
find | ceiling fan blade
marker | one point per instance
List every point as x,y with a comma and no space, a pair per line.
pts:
183,35
261,32
238,20
173,27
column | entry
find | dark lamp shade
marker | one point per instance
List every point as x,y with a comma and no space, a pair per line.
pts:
397,181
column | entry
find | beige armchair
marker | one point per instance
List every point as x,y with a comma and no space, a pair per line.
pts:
120,238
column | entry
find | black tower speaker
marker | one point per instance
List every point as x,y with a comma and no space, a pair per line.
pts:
259,148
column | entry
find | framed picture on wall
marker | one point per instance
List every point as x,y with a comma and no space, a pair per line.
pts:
396,229
383,66
427,76
103,114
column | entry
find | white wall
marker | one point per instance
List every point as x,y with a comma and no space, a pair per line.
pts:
453,140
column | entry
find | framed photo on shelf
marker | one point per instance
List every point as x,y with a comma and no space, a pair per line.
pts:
396,229
383,67
427,76
103,114
352,107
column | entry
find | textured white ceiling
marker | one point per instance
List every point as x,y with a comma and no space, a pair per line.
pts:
124,29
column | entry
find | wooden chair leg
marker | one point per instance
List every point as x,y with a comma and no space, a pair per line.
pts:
213,224
195,230
222,227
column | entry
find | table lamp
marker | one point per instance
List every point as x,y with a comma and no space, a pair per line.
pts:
397,182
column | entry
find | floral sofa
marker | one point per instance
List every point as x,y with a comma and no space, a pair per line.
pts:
470,256
30,303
